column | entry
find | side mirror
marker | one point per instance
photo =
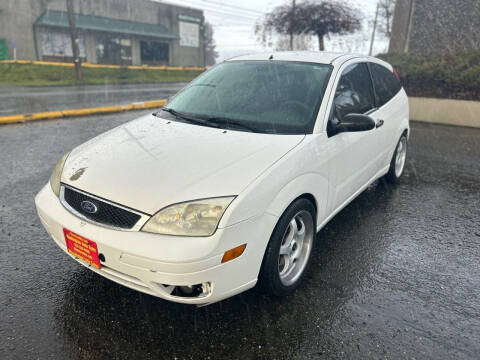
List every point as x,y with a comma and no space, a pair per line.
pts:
355,122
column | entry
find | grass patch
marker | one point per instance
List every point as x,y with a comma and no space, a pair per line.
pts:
40,75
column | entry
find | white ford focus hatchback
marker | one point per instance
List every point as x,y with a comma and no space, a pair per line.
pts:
230,182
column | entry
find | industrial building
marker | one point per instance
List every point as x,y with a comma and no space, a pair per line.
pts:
121,32
426,26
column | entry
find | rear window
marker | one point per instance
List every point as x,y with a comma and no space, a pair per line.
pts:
385,83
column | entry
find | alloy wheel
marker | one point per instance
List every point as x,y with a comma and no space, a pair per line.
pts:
295,248
401,156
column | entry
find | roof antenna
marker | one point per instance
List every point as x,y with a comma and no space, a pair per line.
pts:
271,57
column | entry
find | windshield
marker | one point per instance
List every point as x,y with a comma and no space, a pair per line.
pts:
260,96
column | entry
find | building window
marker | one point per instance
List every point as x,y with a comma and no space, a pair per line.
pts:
58,46
115,51
153,52
189,34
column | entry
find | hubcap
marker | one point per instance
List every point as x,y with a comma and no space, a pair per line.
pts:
401,156
295,248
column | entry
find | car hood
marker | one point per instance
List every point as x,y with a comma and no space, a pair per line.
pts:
150,163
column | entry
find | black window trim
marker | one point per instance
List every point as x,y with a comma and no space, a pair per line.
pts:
373,84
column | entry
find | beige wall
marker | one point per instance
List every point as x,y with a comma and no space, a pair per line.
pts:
444,111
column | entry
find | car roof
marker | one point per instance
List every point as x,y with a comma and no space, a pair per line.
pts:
320,57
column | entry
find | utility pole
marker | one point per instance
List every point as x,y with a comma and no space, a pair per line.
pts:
73,36
204,28
409,26
293,19
374,29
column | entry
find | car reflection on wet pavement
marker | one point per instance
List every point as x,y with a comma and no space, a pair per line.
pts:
394,275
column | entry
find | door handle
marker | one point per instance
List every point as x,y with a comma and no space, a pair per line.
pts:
379,123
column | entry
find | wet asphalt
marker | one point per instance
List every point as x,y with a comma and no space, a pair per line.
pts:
29,99
395,275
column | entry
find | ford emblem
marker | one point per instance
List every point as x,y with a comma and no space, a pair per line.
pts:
89,207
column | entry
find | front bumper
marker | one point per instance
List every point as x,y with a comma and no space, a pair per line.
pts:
150,262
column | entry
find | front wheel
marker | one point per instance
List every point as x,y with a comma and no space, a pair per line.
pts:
289,250
397,165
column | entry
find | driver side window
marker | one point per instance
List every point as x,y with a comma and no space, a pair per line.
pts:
354,95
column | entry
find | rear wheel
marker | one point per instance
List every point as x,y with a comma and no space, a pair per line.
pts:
289,250
397,165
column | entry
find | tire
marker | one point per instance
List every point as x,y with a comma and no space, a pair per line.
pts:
397,164
294,234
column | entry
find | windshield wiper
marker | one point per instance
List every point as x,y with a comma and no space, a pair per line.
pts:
232,122
171,111
189,118
213,121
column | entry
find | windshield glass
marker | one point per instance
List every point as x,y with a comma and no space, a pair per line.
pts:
261,96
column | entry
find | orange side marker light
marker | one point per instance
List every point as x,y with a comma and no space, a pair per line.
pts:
233,253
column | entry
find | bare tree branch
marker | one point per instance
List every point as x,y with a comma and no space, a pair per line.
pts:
386,10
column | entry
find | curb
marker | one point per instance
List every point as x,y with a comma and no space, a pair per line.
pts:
81,112
101,66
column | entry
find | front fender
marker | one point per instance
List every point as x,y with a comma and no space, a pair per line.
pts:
312,184
405,126
304,170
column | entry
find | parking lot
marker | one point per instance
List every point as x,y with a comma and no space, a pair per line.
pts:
31,99
395,275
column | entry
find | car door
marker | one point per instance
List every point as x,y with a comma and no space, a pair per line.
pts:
390,110
352,154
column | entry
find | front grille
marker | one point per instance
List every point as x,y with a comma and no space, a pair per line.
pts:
105,213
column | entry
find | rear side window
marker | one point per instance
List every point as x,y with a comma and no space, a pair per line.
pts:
385,83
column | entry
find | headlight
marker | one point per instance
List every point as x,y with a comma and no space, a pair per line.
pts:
192,218
57,174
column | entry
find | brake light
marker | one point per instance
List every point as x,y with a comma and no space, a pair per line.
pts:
395,72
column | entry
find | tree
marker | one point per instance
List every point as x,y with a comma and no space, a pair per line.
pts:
320,19
298,42
209,46
282,20
386,9
328,17
291,33
74,39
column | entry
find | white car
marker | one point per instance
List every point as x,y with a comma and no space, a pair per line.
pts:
230,182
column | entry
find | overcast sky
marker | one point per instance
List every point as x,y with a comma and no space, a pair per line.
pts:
234,20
